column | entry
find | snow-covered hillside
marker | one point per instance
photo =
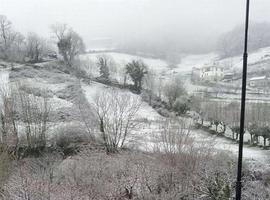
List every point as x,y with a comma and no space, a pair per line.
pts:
257,60
145,111
187,61
147,136
121,59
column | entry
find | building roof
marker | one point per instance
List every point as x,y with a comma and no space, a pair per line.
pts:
258,78
229,74
211,65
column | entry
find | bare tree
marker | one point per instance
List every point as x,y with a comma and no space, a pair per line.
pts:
174,90
175,136
116,113
36,47
7,37
18,49
69,43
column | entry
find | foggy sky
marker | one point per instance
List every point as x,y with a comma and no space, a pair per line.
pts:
193,21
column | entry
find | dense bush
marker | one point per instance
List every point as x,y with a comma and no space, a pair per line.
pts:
70,138
181,105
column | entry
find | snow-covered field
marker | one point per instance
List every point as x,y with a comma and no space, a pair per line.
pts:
252,155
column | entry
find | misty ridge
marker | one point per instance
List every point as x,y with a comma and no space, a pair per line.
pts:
164,45
133,99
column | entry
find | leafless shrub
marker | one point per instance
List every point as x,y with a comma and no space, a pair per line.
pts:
34,113
32,178
175,136
116,113
174,90
9,127
5,165
70,138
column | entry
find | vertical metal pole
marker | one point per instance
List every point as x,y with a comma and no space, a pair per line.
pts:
243,105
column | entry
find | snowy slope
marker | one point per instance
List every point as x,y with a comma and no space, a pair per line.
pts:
255,59
4,78
145,111
252,155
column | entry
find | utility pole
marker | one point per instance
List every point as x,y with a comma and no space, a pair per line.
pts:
243,105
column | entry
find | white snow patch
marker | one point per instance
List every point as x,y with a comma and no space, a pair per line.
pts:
145,111
57,103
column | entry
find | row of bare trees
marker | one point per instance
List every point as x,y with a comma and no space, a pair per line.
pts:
227,114
16,47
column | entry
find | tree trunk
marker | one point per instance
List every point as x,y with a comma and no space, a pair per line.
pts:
251,139
224,128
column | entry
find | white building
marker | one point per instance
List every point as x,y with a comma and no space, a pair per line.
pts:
209,73
259,82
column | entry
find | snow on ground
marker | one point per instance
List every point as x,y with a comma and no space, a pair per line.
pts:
146,136
41,84
145,111
253,155
148,139
4,78
187,61
57,103
158,65
44,84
